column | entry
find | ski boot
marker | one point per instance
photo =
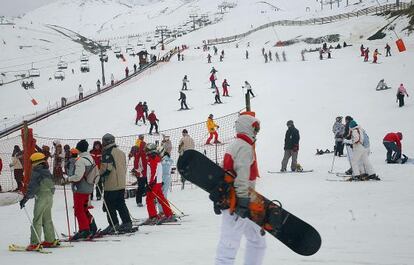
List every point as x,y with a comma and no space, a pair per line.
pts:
374,177
83,234
54,244
109,230
33,247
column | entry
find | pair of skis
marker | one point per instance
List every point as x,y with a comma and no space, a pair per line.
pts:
19,248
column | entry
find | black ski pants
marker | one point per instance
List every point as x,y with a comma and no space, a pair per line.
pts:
400,98
153,125
183,104
141,189
392,147
115,201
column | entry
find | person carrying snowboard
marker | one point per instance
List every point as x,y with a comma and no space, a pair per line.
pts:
41,188
291,147
392,142
225,86
240,160
338,129
401,92
183,98
211,127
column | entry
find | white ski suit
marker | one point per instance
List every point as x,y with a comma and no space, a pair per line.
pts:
359,153
240,159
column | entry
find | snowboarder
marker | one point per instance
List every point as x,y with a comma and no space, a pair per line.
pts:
392,142
284,56
359,154
113,171
17,165
140,113
183,98
152,118
185,81
208,58
338,129
80,90
401,92
225,86
388,50
98,85
217,96
291,147
154,188
41,186
211,127
382,85
186,143
126,72
375,56
145,109
213,79
96,154
82,189
139,169
248,88
240,159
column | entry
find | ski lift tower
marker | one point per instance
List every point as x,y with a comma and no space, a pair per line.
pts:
193,17
162,30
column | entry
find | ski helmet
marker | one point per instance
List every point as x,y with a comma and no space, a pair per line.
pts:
151,149
37,158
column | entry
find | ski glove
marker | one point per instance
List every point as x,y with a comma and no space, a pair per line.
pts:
23,202
242,208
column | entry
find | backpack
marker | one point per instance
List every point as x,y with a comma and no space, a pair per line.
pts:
92,175
365,143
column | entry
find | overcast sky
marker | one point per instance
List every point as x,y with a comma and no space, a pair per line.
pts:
17,7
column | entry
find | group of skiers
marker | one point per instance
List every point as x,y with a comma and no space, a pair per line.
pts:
268,56
141,110
365,53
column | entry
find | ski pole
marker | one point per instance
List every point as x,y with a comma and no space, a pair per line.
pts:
67,211
107,210
34,230
169,202
333,160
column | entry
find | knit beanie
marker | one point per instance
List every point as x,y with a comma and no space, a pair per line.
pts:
352,124
82,146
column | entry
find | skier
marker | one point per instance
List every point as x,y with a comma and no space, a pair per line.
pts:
166,163
388,50
58,158
213,70
248,88
291,147
270,56
362,49
154,188
277,57
221,58
166,144
80,90
139,170
126,72
208,58
263,51
302,54
185,81
98,85
359,154
140,113
320,54
401,92
265,57
284,56
96,154
225,86
183,98
329,53
213,79
222,53
211,127
17,165
338,129
217,96
82,189
145,109
41,186
375,56
247,54
112,79
215,50
366,55
152,118
347,136
186,143
382,85
240,159
135,67
392,142
113,171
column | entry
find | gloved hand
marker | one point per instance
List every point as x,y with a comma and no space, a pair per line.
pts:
295,148
347,141
242,207
23,202
150,185
64,180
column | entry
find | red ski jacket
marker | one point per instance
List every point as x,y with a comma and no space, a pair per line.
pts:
393,137
152,118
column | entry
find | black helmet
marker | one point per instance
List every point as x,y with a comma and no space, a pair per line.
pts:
289,123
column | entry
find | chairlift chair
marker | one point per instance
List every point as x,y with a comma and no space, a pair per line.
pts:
139,44
148,39
117,50
59,74
84,67
34,72
84,58
62,65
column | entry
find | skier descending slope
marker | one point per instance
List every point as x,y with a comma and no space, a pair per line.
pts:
240,159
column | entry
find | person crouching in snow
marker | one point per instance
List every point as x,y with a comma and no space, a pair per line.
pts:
41,187
154,188
82,189
240,159
359,154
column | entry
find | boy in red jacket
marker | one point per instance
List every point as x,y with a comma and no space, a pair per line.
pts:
392,142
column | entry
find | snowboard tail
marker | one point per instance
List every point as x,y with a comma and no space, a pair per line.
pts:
296,234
